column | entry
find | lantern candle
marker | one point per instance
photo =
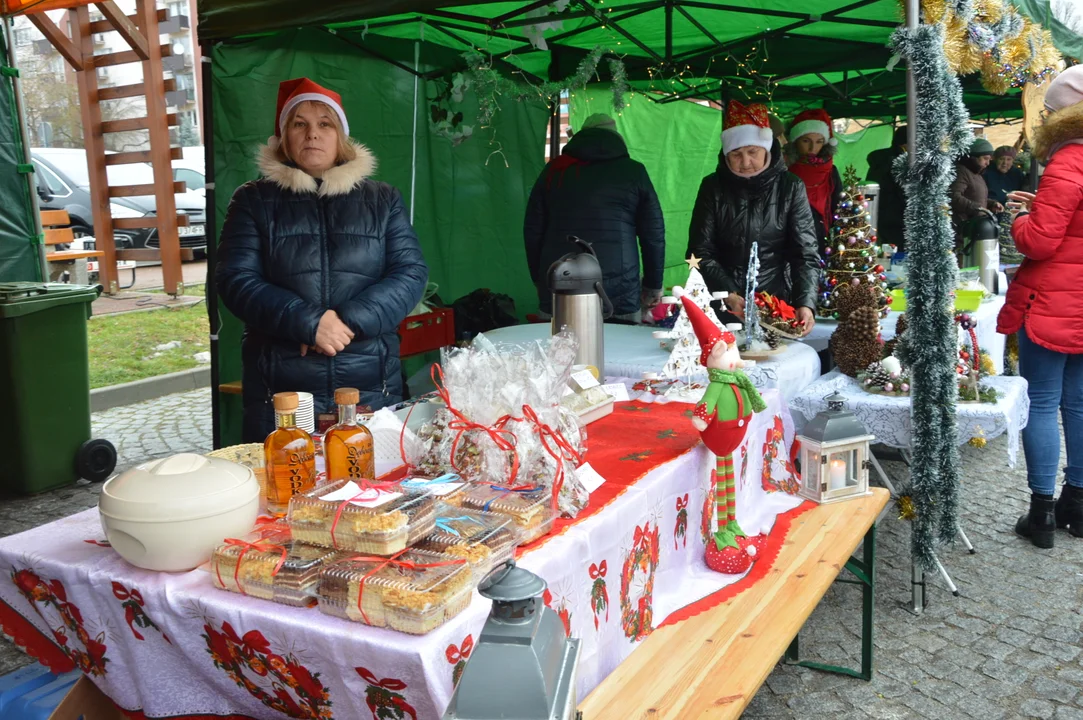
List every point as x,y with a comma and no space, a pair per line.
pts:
837,475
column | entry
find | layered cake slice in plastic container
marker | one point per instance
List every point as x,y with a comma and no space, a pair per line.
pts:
370,518
483,539
414,592
530,510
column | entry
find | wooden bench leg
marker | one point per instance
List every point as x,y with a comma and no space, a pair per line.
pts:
864,572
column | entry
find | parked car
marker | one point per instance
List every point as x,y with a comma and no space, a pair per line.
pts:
191,169
64,184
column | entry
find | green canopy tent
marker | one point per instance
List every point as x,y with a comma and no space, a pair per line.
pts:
21,256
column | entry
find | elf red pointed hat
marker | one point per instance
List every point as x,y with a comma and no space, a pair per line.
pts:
746,126
707,333
813,122
292,93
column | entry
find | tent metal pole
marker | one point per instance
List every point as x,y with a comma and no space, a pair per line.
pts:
554,110
413,145
917,583
210,289
31,179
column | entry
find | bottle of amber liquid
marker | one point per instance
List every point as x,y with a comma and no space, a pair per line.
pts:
290,456
347,446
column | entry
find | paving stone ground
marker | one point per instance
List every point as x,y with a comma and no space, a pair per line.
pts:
1010,647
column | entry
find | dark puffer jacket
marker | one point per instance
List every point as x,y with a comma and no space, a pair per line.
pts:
771,208
596,192
293,247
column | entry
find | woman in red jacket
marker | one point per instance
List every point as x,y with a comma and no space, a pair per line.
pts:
1045,306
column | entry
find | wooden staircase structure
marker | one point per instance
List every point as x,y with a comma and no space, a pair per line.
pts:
140,31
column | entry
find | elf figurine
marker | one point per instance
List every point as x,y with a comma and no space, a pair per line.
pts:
722,418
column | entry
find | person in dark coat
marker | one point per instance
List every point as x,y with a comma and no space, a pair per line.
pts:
891,202
969,193
1002,177
752,197
596,192
811,157
319,262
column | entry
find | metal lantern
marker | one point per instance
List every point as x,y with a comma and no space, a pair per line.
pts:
834,455
523,665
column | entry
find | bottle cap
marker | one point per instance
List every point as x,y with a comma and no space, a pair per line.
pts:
347,396
285,401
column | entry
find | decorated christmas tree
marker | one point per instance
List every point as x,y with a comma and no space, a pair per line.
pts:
851,252
684,360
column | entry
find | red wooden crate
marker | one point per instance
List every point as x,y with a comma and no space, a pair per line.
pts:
431,331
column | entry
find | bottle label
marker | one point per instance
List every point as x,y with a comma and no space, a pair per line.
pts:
299,465
358,462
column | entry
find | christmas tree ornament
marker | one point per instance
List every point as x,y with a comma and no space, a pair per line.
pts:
722,418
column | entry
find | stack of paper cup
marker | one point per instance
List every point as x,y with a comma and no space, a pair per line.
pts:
306,416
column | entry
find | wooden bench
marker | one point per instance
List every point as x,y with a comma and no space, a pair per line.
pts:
711,665
56,225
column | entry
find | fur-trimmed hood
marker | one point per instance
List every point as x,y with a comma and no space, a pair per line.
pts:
339,180
1063,126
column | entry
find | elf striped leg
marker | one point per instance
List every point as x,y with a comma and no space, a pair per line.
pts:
723,479
726,503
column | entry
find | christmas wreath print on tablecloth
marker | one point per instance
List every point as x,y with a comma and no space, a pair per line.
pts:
637,584
294,691
51,595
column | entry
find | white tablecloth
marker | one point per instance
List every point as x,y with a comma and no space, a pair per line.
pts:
888,418
988,339
151,636
631,351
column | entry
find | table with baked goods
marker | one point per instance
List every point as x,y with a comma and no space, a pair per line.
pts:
632,351
172,645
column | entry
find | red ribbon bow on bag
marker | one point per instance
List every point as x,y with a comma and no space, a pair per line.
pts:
503,438
599,570
558,448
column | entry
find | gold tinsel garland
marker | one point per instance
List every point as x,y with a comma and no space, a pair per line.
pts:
1025,54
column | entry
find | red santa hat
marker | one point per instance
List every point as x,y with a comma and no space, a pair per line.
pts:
707,333
746,126
813,122
292,93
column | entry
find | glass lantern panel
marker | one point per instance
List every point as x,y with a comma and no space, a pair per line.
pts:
853,468
811,470
838,470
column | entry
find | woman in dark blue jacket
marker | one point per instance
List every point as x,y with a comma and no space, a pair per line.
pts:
319,262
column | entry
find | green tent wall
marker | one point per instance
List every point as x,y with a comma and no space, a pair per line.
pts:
20,251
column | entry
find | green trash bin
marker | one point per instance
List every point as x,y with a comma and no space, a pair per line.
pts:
45,388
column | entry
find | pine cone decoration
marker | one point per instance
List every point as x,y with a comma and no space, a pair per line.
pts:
865,321
855,343
771,338
877,374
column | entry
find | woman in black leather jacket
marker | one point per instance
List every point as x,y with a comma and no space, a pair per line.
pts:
320,263
752,197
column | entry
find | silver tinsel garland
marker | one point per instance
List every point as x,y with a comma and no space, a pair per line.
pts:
942,136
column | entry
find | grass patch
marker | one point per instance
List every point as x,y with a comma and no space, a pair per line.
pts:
122,346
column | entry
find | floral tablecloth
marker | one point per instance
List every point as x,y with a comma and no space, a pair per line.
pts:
888,418
170,645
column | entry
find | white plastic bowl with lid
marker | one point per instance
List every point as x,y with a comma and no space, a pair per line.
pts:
171,514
